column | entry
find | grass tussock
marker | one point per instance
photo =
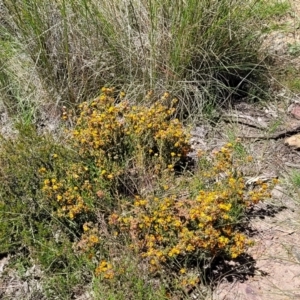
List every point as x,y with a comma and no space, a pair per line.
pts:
204,52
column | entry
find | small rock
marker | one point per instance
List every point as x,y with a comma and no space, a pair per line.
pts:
251,293
199,131
86,296
3,262
294,110
293,141
277,192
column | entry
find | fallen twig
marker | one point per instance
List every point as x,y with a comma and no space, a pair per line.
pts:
274,136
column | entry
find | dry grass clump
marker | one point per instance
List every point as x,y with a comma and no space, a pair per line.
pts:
204,52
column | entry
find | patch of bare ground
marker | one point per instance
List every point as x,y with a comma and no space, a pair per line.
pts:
14,286
276,254
277,42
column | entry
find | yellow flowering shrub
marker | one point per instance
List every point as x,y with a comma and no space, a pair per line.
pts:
124,174
105,268
172,230
111,132
68,188
118,146
89,241
121,150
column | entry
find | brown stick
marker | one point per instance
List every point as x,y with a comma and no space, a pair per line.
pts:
275,136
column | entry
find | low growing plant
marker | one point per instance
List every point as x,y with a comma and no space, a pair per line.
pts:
122,177
172,230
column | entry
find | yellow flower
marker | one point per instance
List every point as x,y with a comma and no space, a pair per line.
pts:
109,274
105,268
223,241
190,248
71,215
193,281
171,167
42,170
174,101
46,182
174,251
226,217
209,218
85,227
232,181
225,207
94,239
166,95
